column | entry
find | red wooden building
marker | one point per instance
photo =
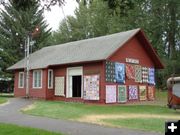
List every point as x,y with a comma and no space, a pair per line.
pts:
116,68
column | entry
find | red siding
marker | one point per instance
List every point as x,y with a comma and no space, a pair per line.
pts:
39,92
88,69
18,92
132,49
96,68
35,93
59,71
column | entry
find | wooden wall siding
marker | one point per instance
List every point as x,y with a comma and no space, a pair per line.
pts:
88,69
35,93
18,92
132,49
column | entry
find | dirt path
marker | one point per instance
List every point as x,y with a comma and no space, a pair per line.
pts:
97,119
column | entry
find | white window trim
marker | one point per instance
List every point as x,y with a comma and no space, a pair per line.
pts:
22,80
68,76
52,79
33,79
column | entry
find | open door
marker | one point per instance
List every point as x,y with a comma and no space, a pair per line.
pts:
76,85
74,82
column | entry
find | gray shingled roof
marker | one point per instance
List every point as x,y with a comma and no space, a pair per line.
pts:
92,49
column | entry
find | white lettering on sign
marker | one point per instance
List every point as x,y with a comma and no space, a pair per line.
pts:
130,60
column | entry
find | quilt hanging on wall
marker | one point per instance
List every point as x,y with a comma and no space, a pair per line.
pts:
110,93
133,92
91,87
122,94
151,79
120,72
145,74
151,91
59,86
130,71
138,74
110,71
142,93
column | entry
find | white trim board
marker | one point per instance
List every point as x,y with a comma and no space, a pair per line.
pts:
73,71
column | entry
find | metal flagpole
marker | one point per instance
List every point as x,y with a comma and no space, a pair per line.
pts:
27,66
27,48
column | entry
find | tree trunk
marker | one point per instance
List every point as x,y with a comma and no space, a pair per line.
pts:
172,29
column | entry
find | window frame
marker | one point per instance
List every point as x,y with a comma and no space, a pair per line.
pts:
19,77
37,87
52,79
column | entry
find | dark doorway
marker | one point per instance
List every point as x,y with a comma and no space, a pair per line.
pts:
76,86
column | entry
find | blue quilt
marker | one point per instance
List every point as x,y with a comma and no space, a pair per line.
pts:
151,79
120,72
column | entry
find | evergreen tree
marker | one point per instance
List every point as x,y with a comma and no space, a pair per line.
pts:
159,20
17,20
89,21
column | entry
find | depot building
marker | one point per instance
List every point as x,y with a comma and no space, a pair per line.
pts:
117,68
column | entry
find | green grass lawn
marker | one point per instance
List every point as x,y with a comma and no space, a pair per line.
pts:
9,129
3,100
76,111
64,110
156,125
161,95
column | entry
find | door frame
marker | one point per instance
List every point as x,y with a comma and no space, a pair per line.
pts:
73,71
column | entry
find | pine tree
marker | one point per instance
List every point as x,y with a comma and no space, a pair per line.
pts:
90,21
17,20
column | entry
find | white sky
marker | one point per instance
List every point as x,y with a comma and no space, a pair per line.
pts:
54,16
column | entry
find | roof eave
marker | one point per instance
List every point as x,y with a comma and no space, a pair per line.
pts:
158,63
72,63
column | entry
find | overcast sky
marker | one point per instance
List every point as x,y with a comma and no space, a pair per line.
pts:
54,16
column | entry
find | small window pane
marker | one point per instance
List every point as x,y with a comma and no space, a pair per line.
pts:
37,79
50,78
21,80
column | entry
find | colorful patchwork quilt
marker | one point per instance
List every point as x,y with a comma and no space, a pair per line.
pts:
110,93
130,71
151,91
91,87
145,74
142,93
122,94
133,92
138,74
110,71
120,72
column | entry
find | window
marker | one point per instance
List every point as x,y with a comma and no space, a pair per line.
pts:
21,80
50,78
37,79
